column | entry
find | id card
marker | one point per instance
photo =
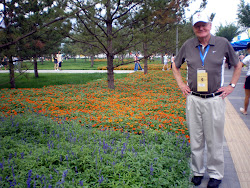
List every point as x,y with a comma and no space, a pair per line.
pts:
202,82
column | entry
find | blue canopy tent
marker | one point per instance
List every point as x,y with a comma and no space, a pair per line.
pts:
240,45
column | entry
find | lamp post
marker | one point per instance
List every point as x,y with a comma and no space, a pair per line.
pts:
177,40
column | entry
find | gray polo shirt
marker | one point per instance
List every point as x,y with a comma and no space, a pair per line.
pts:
213,63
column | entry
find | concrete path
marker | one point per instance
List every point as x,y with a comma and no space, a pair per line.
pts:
237,131
72,71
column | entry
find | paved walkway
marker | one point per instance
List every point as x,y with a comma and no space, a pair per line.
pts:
237,134
72,71
237,131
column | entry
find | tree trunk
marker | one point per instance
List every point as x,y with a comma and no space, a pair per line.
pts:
122,58
12,73
111,81
92,60
162,59
145,50
110,56
35,67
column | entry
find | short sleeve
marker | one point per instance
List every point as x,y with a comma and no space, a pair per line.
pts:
180,58
231,55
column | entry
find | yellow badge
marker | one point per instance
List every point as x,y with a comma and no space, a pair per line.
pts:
202,82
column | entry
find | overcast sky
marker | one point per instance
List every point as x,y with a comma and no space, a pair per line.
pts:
225,11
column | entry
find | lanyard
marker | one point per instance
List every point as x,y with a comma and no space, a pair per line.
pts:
205,54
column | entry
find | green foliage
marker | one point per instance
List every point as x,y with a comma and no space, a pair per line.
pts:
30,81
46,79
243,14
37,151
229,31
26,20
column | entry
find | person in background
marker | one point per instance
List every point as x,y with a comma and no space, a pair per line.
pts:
55,62
59,61
5,62
205,105
172,59
165,61
246,61
137,62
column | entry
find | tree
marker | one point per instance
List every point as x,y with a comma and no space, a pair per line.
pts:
243,14
21,19
114,26
44,42
229,31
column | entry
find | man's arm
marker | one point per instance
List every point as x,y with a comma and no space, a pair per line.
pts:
237,72
236,75
177,74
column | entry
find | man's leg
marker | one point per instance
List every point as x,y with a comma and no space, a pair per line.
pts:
213,120
197,139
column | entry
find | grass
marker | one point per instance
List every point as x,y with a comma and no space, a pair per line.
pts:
71,64
79,64
29,81
46,79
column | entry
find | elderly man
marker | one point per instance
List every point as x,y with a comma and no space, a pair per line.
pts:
205,107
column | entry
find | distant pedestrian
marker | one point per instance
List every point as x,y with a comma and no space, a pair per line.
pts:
55,61
5,62
165,61
137,62
246,61
172,60
59,60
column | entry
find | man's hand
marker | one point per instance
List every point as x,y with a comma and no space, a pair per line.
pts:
177,74
225,91
185,89
236,74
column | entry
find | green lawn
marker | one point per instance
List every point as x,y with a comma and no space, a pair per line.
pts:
29,81
76,64
71,64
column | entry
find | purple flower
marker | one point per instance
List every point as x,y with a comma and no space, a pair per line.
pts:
1,166
81,183
22,154
29,178
151,169
101,180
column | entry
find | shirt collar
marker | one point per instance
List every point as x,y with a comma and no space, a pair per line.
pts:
211,41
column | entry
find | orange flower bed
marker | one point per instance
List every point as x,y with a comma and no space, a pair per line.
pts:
150,67
139,101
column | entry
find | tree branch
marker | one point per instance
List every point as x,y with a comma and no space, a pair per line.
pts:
92,33
84,42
